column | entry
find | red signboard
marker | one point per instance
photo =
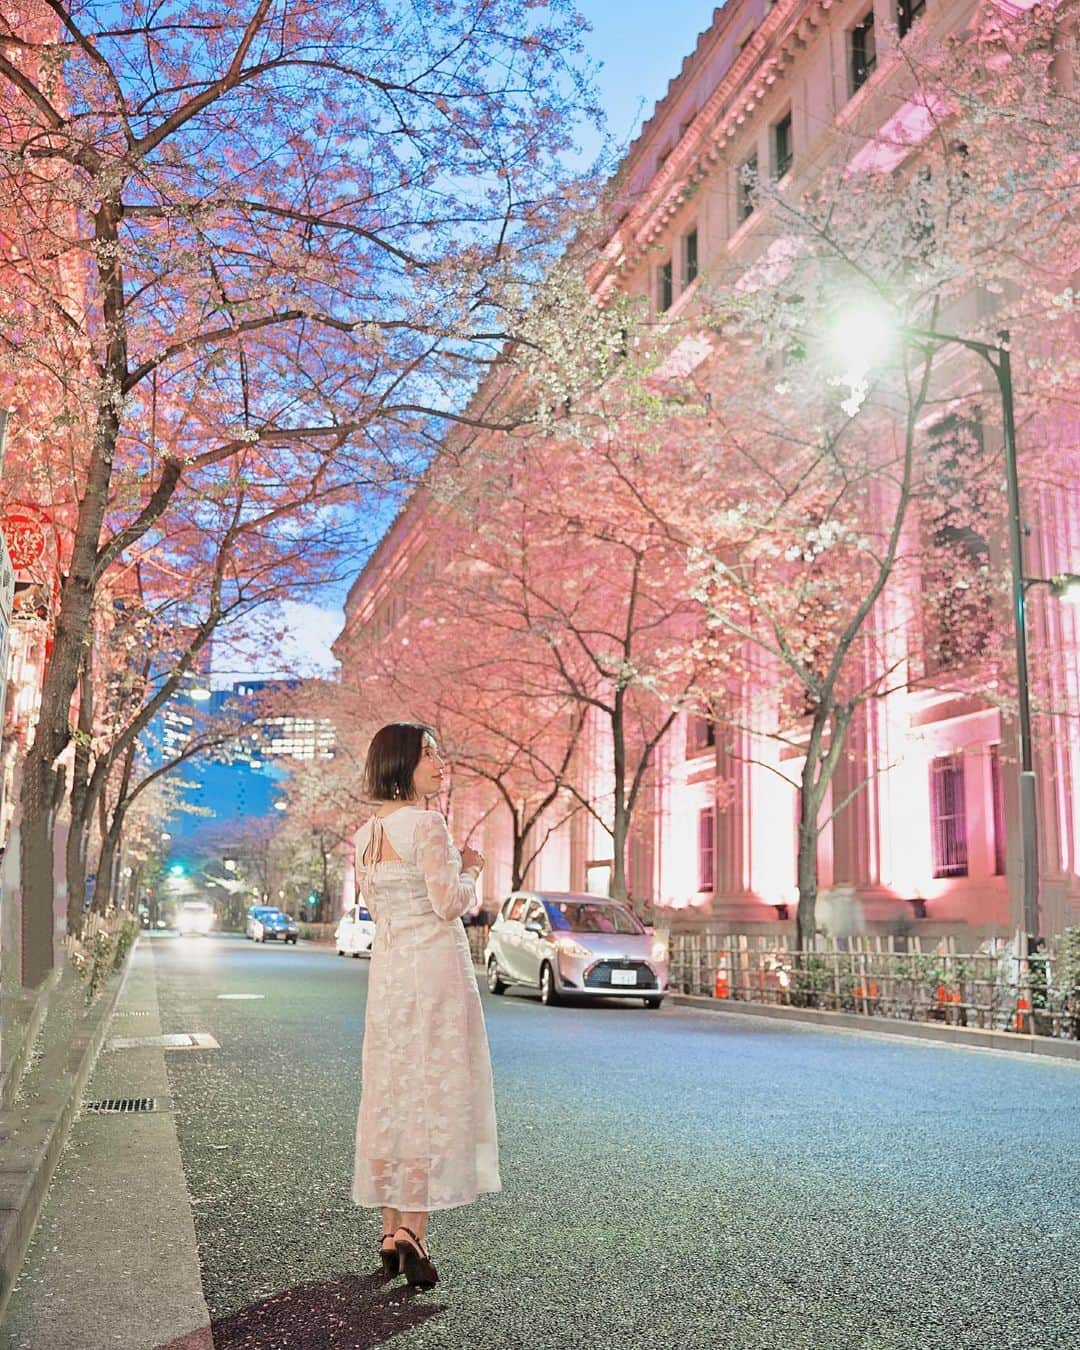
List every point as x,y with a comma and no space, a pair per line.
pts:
26,531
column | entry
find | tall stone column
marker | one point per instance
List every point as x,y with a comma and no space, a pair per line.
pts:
856,829
732,864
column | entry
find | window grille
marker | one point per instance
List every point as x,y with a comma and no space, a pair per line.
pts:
783,151
690,257
706,848
863,52
748,174
702,735
947,817
907,12
665,290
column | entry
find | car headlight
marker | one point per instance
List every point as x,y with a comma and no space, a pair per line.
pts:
572,948
659,951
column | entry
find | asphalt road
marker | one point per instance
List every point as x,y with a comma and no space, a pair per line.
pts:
672,1179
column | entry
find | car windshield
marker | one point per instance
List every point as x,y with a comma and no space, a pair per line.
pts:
195,907
574,916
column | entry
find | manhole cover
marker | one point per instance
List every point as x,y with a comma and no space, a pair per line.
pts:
121,1105
194,1040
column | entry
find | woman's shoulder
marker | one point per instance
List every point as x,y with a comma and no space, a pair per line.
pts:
410,817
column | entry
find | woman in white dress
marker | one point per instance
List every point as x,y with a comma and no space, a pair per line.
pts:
426,1135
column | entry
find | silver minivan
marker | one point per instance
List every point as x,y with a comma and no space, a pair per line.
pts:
567,944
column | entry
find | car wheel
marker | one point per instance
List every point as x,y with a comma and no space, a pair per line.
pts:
263,938
356,956
494,984
549,994
653,1002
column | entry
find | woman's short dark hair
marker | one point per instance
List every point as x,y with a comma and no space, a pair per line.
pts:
392,758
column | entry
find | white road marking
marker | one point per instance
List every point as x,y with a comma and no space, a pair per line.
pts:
195,1040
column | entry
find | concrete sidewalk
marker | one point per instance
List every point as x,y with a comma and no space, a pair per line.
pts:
113,1262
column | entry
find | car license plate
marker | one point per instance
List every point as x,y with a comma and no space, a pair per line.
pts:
624,977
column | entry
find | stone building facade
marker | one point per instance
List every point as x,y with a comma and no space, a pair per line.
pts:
933,839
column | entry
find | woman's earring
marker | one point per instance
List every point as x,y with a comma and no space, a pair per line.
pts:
397,792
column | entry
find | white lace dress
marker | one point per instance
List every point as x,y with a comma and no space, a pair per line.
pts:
425,1135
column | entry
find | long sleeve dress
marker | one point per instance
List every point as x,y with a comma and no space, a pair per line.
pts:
425,1135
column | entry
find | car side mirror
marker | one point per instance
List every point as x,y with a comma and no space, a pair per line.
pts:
534,927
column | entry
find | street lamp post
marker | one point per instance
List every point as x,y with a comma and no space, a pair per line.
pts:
997,357
864,332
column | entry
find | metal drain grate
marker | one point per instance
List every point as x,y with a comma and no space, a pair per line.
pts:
133,1012
121,1105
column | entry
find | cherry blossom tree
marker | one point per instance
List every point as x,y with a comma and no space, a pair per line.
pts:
460,662
284,237
547,640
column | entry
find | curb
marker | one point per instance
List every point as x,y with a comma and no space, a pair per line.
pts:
37,1001
33,1136
974,1038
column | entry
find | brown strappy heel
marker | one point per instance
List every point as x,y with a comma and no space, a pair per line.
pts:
415,1261
391,1262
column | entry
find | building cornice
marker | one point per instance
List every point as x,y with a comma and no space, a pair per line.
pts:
789,27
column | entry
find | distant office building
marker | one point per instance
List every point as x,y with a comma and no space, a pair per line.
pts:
287,736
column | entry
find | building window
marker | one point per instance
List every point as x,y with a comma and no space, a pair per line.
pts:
783,152
706,849
702,735
665,290
997,793
863,52
747,185
907,12
690,257
948,825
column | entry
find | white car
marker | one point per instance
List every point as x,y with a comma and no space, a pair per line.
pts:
575,945
355,932
194,916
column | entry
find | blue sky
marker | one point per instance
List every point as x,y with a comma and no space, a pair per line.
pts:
639,45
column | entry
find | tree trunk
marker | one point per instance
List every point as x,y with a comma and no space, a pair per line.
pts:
80,804
805,923
41,788
103,882
517,870
810,794
619,821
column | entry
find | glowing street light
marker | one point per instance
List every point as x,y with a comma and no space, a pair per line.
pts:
862,336
1066,587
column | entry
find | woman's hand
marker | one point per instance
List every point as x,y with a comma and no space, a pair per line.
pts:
471,858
